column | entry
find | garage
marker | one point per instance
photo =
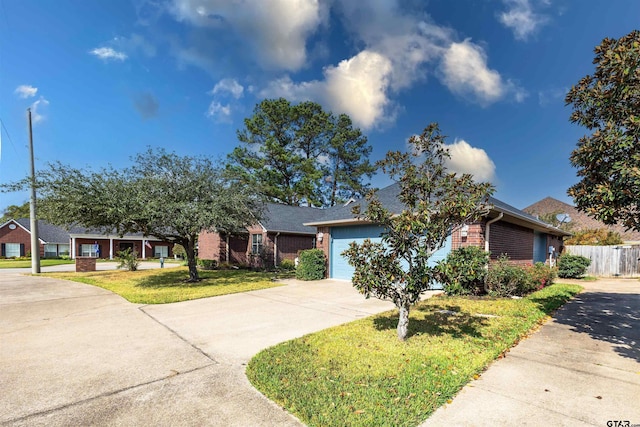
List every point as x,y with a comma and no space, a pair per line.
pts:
342,236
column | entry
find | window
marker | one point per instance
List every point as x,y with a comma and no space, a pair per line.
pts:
256,243
161,251
88,250
63,249
12,250
50,250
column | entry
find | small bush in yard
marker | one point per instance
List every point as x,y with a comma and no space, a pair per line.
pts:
463,271
128,259
312,265
207,264
287,265
572,266
505,279
541,275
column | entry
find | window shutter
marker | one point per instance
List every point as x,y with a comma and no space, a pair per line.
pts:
22,253
3,250
100,251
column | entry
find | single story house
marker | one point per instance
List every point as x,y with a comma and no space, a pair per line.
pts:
504,230
279,235
15,241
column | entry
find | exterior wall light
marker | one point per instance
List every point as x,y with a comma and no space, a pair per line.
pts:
320,236
464,231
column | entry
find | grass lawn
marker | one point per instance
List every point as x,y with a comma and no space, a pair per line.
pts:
26,263
161,286
360,374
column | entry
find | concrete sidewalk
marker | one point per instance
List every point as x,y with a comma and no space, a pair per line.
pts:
580,369
100,266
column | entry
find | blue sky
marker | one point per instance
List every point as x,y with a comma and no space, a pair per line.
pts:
104,80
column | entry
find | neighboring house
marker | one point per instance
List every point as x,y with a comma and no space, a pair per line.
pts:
504,230
279,235
15,240
579,220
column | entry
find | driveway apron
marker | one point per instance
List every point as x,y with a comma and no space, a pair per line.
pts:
74,354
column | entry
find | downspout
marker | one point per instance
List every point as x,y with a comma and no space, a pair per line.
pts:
275,250
487,228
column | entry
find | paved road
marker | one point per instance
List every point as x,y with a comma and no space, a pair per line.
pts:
107,265
74,354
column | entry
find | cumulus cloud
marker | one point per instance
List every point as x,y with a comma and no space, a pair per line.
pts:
219,112
276,30
37,114
228,86
108,53
26,91
472,160
521,18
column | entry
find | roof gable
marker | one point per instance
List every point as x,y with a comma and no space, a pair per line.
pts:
289,219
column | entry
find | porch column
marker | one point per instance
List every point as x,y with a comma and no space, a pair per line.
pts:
110,247
144,250
73,248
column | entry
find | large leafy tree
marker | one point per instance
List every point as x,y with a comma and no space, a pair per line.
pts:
607,103
15,212
299,154
434,203
162,194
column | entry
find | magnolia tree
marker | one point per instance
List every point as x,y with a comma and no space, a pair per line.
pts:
434,203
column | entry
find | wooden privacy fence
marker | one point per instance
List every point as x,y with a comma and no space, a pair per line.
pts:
619,261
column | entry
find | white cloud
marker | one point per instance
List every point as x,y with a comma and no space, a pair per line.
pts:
107,53
521,18
552,96
464,68
26,91
472,160
219,112
356,86
230,86
276,30
36,110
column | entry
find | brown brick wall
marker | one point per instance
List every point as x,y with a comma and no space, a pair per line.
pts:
513,240
18,235
475,236
325,245
211,246
84,264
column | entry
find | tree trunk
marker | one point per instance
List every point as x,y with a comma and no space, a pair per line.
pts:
191,261
403,320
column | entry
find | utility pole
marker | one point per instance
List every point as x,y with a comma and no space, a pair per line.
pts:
35,241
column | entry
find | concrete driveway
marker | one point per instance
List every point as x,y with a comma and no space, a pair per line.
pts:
73,354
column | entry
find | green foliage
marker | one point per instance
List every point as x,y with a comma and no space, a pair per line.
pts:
287,265
300,154
15,212
608,160
128,259
505,279
541,275
463,271
595,236
179,250
434,202
162,194
572,266
207,264
312,265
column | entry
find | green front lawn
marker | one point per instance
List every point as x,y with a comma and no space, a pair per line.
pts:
26,263
161,286
360,374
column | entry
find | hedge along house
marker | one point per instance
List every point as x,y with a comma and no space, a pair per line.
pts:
15,239
279,235
504,230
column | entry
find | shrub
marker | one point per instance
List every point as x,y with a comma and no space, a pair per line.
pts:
463,271
287,265
128,259
312,265
207,264
505,279
572,266
541,275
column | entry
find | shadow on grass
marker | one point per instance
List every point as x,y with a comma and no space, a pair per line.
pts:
172,278
438,322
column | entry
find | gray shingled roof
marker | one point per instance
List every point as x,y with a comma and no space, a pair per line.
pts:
48,233
388,196
289,219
